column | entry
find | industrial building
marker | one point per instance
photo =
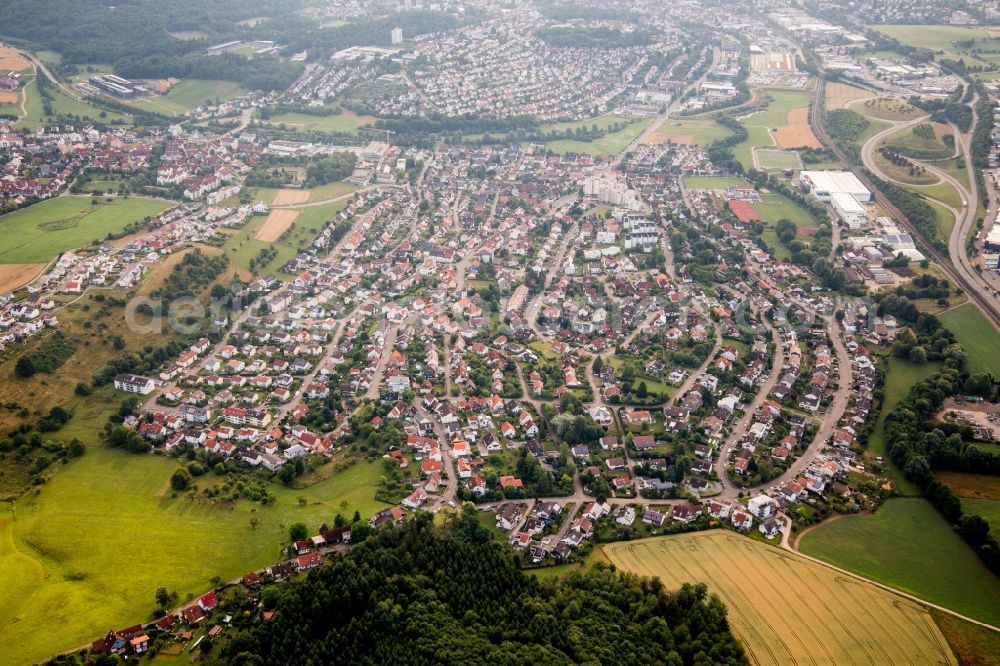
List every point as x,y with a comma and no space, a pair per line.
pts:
843,191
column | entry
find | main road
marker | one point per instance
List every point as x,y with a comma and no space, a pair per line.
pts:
959,271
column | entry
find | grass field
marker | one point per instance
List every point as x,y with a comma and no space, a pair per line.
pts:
980,339
786,609
243,246
609,144
887,108
902,173
191,93
987,508
89,551
777,159
773,207
908,142
701,131
942,192
937,37
972,645
944,220
712,182
40,232
345,121
908,545
900,377
783,105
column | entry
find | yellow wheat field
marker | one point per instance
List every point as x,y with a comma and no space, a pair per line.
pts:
789,610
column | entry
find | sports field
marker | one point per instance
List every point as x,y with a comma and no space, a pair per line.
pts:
89,551
712,182
777,159
907,545
191,93
786,609
38,233
980,339
773,207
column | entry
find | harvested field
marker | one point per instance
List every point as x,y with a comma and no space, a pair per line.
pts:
839,95
797,133
13,276
789,610
965,484
11,59
291,197
656,139
276,224
9,97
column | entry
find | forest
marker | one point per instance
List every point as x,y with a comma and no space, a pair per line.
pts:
420,595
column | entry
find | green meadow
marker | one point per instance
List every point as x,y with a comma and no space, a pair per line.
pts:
241,247
906,544
189,94
38,233
978,336
87,552
345,121
900,377
609,144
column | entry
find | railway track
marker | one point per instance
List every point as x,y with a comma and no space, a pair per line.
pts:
983,301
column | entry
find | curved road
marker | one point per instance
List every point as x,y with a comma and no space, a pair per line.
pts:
959,272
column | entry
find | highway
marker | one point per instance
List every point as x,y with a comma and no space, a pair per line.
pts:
959,272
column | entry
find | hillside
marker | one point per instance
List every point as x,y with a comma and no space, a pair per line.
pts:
417,595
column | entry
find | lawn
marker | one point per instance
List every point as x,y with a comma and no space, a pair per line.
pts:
345,121
609,144
701,131
977,335
89,551
786,609
40,232
773,207
900,377
908,545
191,93
712,182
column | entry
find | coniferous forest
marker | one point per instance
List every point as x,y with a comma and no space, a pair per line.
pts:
420,595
